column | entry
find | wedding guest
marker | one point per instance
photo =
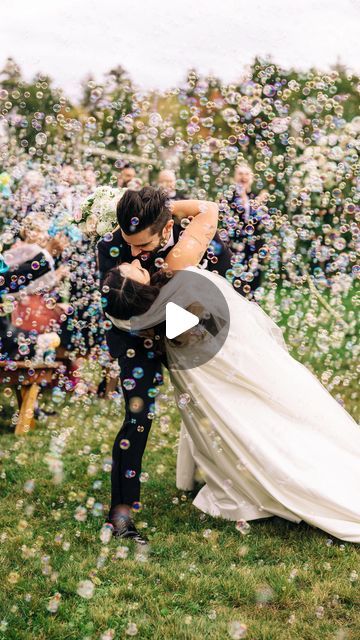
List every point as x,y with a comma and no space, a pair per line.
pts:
246,239
89,179
34,239
127,174
83,329
12,280
35,306
70,189
31,192
167,182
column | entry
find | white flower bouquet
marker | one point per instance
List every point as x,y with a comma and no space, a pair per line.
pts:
98,211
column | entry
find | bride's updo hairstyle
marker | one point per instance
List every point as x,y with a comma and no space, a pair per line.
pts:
123,297
149,207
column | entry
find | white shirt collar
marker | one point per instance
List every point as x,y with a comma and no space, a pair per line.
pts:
170,242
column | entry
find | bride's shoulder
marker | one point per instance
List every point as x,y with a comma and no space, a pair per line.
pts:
193,269
200,270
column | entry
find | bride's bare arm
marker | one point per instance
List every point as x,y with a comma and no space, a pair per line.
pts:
186,208
196,237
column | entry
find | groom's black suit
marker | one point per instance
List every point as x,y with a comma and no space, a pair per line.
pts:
138,391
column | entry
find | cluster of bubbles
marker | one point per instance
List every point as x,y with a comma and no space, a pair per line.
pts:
237,630
42,551
300,135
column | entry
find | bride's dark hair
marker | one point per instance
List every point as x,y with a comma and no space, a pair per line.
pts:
124,298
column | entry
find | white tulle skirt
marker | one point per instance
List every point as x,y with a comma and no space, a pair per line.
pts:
266,434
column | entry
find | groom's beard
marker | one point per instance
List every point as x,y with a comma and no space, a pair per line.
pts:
157,248
148,254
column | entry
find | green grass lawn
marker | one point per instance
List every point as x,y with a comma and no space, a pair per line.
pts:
201,578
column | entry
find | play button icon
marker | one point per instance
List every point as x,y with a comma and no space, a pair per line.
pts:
178,320
190,317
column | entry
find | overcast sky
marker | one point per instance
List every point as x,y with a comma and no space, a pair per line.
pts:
158,40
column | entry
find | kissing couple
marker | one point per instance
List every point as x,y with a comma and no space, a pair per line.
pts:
268,437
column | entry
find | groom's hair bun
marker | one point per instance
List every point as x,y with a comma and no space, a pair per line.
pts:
147,208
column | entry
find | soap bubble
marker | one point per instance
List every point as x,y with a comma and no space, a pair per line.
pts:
243,527
106,533
237,630
131,629
41,139
85,589
54,603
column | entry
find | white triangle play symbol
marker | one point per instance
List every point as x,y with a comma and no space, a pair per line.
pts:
178,320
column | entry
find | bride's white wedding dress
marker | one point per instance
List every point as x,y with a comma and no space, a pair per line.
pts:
267,435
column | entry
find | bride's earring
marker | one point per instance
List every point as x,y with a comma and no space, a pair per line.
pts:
163,242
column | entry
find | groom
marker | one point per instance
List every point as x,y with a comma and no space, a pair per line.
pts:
147,231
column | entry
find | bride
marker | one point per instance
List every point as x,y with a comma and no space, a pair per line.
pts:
267,435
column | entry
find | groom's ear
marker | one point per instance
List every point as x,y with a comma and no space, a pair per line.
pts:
169,225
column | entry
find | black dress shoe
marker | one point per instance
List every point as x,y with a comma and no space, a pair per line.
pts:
124,527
